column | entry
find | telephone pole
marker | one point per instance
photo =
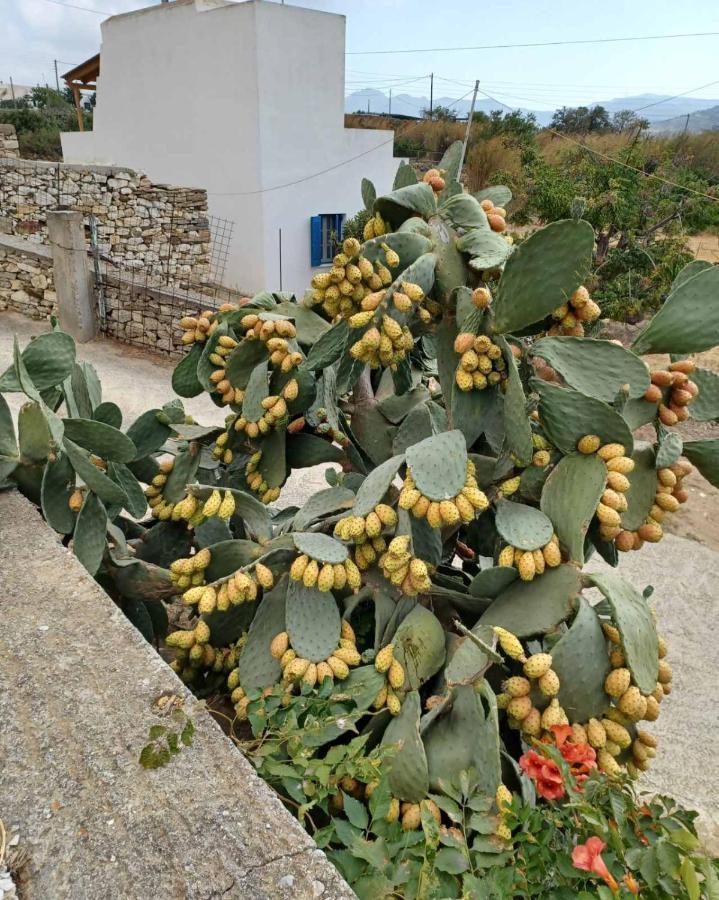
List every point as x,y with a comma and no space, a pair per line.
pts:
57,79
466,133
431,93
12,91
390,101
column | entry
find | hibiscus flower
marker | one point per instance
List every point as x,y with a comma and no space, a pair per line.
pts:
581,757
545,773
588,858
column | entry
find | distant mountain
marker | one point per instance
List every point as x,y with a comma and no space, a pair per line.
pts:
409,105
703,120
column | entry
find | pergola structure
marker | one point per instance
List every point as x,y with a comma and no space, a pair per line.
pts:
82,77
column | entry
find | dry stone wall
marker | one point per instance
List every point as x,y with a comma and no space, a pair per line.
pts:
26,279
9,147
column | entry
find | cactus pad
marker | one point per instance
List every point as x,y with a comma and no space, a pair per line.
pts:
257,390
580,660
597,368
464,211
321,547
99,438
705,407
469,662
408,776
34,433
94,478
633,617
492,581
419,646
148,433
522,526
516,422
705,456
48,360
415,199
328,348
313,621
669,448
643,487
330,500
136,502
88,542
439,465
376,485
570,497
258,668
535,607
487,249
499,194
253,513
406,245
58,483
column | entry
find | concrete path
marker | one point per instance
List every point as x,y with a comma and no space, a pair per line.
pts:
78,688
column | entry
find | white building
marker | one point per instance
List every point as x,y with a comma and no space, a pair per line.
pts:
245,100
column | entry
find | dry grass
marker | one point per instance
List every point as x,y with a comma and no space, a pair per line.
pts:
486,157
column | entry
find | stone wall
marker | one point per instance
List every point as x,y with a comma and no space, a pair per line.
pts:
9,147
156,228
26,279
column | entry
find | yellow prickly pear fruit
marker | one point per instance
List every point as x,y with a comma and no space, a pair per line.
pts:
608,516
413,291
539,563
393,702
75,501
662,647
532,723
324,671
351,247
297,569
607,763
579,733
395,675
596,734
466,510
632,704
463,342
384,658
481,297
326,578
386,515
477,498
280,645
648,739
526,566
611,632
510,644
590,443
617,682
227,508
665,672
420,508
506,556
311,574
622,464
264,576
610,451
354,577
233,682
618,482
360,319
408,497
183,640
541,458
346,630
349,655
516,686
434,516
296,668
412,817
519,707
464,380
552,715
212,504
617,733
616,659
393,811
208,601
448,512
503,831
287,658
549,683
537,665
510,486
310,676
202,632
339,667
503,798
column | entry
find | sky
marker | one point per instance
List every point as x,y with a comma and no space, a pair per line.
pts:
34,33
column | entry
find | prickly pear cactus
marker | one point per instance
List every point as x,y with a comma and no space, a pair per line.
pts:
480,449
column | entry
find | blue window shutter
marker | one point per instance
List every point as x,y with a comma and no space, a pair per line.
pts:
315,241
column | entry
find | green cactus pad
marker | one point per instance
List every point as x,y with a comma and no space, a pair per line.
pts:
395,408
305,450
499,194
406,245
243,360
542,273
466,738
22,377
376,485
226,626
369,194
534,607
689,271
705,456
109,413
139,580
36,441
419,646
643,487
273,465
229,556
330,500
638,412
688,321
373,432
420,272
439,464
321,547
329,347
464,211
252,512
451,271
313,621
524,527
94,478
183,473
404,177
136,502
469,662
8,444
58,483
362,686
101,439
408,776
48,361
88,541
669,448
633,617
415,427
705,407
568,415
148,433
309,326
415,199
570,497
426,541
487,249
532,482
258,668
204,367
580,660
492,581
516,421
256,391
185,382
596,368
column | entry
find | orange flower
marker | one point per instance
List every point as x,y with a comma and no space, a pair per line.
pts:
631,884
588,858
581,757
545,773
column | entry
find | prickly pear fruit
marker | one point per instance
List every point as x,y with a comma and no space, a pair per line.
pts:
632,704
510,643
537,665
617,682
549,683
516,686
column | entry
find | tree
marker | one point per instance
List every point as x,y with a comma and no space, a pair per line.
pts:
626,119
581,119
46,98
440,114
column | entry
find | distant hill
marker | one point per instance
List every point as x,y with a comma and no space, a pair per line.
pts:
703,120
409,105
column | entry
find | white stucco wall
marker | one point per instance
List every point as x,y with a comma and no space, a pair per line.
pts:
239,99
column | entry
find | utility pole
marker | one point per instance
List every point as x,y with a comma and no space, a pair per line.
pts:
390,101
431,93
12,91
57,79
466,133
368,106
686,124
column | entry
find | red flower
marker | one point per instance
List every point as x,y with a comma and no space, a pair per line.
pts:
631,883
588,858
581,757
545,773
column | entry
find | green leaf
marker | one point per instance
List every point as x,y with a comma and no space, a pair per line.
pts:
633,617
570,496
580,660
597,368
103,440
542,273
89,536
153,757
451,860
689,878
355,811
185,382
705,456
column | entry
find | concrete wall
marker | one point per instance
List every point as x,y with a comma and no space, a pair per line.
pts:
26,278
269,112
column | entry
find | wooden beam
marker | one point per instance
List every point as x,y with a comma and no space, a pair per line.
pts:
78,109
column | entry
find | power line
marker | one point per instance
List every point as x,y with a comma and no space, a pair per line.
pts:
98,12
615,40
676,96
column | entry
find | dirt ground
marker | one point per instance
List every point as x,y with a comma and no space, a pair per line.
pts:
696,519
